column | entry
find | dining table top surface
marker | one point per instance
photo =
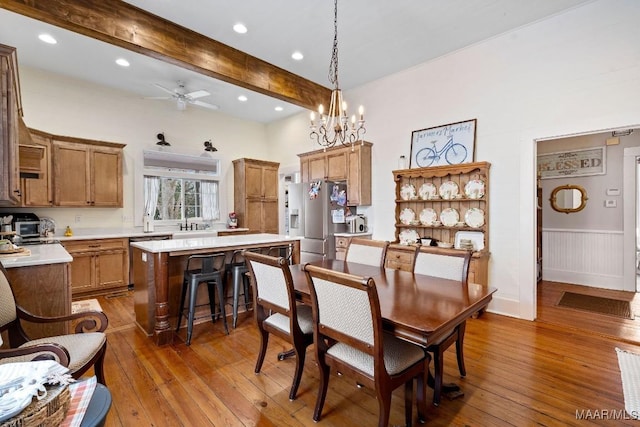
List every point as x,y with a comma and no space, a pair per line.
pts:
417,307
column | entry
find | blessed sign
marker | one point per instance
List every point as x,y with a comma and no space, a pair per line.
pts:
589,161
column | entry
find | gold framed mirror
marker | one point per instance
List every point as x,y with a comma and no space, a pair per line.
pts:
568,198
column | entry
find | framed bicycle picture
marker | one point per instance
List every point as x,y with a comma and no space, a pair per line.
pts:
450,144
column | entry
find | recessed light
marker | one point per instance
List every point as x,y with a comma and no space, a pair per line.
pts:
240,28
242,98
297,55
122,62
47,38
278,108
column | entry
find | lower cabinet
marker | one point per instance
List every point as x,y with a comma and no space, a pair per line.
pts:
342,242
99,266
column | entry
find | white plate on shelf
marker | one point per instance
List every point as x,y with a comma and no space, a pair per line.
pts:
474,217
449,217
409,237
449,190
474,189
427,191
407,216
408,192
476,237
428,216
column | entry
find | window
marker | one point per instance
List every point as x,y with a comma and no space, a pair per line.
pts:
173,198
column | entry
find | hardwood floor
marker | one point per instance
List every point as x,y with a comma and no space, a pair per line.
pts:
519,373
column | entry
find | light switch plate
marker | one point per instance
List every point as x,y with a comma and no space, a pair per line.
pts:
610,203
613,191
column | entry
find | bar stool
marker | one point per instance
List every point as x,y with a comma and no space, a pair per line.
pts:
209,273
237,270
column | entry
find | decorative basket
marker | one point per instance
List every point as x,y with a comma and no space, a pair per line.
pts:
47,412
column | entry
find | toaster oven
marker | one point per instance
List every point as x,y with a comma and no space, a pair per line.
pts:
27,228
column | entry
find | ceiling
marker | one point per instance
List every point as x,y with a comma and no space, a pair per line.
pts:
376,38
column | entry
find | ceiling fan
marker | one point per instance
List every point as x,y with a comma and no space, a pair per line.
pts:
182,98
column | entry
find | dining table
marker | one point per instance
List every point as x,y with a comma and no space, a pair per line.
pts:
415,307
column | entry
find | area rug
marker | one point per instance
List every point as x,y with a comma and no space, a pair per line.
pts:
609,306
630,373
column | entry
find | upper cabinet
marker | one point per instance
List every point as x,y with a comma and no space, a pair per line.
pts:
352,165
100,167
39,191
10,117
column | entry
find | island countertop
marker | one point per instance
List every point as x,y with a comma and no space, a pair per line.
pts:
40,255
161,246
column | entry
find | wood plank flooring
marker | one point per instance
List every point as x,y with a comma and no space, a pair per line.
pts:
519,373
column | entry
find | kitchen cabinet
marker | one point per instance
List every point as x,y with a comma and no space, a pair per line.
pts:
452,191
10,116
352,164
343,242
99,166
39,192
43,290
256,195
99,265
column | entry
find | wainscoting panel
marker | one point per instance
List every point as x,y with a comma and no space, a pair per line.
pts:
583,257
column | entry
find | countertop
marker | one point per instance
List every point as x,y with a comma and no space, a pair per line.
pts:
40,255
366,233
156,246
119,233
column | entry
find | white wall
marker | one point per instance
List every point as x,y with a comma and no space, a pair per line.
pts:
574,73
65,106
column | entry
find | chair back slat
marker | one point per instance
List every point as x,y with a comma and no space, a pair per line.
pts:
366,251
452,265
209,263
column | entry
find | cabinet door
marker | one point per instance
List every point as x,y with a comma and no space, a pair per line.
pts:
317,167
82,272
337,165
270,216
106,177
359,177
253,180
71,174
253,216
110,271
270,182
39,192
9,116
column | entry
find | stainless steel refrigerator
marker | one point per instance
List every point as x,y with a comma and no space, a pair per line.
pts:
325,209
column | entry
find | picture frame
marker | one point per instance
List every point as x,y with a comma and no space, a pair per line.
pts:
449,144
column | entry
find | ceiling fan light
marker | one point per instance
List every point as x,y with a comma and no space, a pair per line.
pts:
182,104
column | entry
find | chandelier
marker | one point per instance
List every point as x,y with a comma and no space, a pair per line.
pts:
334,126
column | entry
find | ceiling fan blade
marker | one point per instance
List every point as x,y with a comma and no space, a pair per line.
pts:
164,89
158,97
197,94
204,104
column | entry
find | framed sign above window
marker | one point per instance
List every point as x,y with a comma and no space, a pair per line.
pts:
450,144
583,162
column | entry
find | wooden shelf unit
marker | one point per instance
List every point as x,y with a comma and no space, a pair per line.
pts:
461,175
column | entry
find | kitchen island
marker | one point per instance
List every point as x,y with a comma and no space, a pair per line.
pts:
158,267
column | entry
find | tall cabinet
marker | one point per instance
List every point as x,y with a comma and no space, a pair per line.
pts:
10,115
255,195
447,204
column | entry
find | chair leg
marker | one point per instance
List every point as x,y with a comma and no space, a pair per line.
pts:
322,389
300,356
212,299
384,405
459,351
98,366
264,340
421,399
193,295
236,295
220,286
408,402
247,287
183,295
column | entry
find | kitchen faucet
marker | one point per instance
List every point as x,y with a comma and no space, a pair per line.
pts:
187,226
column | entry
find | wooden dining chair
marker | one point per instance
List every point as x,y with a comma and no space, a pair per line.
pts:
347,327
453,265
367,251
276,310
79,351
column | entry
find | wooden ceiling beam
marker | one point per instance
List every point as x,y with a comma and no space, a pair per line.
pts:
121,24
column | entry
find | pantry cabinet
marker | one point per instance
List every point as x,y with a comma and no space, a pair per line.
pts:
99,266
87,173
255,195
350,164
10,116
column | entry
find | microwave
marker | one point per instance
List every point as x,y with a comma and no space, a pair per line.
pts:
27,228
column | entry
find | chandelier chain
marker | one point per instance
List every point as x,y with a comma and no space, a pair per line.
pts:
333,65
